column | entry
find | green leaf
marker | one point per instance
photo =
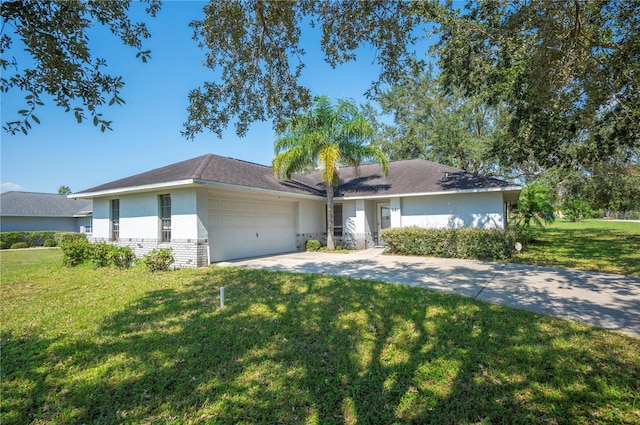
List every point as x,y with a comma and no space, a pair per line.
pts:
78,117
35,119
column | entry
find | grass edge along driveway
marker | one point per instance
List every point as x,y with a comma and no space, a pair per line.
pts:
109,346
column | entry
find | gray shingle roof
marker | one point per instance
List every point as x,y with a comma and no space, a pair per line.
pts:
405,177
31,204
212,168
410,176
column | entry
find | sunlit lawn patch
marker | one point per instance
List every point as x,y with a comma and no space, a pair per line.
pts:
103,346
597,245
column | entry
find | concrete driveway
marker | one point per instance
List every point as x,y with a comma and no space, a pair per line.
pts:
604,300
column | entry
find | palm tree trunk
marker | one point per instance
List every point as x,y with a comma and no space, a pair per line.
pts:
330,243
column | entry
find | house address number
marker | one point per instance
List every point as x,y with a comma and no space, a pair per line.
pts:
395,209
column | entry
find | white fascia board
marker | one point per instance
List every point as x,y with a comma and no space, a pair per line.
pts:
187,183
447,192
36,215
133,189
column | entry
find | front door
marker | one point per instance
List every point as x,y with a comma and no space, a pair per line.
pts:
384,220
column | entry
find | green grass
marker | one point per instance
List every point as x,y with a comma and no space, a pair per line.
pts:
109,346
596,245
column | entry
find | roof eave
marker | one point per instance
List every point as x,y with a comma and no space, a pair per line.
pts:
258,190
187,183
506,189
132,189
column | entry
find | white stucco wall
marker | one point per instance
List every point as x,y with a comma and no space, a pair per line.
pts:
310,216
482,210
139,217
202,198
349,219
185,223
101,218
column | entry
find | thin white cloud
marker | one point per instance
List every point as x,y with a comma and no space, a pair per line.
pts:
8,186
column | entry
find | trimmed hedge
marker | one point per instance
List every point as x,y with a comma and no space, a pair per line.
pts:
469,243
35,238
19,245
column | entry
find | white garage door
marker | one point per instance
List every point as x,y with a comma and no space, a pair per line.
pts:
243,227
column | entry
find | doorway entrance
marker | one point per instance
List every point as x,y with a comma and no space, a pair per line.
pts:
384,221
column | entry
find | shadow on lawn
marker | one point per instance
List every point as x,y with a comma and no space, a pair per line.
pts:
304,348
609,301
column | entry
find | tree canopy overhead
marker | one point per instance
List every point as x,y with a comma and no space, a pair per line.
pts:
447,128
255,46
565,70
568,71
55,35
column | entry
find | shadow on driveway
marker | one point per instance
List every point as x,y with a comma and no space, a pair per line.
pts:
603,300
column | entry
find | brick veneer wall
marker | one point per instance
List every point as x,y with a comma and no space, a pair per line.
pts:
186,252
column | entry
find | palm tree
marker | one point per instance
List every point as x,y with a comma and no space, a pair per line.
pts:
324,138
64,190
534,204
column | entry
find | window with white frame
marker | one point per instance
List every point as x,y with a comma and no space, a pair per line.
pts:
165,218
337,220
115,220
88,224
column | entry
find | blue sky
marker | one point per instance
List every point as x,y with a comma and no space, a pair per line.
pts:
146,130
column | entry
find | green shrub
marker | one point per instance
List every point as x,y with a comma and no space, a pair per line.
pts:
121,256
49,243
63,237
577,209
104,254
75,251
159,259
39,237
12,237
468,243
4,245
313,245
100,254
20,245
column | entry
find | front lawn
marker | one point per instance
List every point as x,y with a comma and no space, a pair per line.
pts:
109,346
596,245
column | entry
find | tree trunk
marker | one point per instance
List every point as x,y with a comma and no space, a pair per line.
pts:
330,243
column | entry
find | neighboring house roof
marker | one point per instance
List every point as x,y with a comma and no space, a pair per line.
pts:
405,177
32,204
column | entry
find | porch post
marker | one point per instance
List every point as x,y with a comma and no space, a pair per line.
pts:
396,212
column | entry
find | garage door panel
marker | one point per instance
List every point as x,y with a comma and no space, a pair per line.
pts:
241,228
